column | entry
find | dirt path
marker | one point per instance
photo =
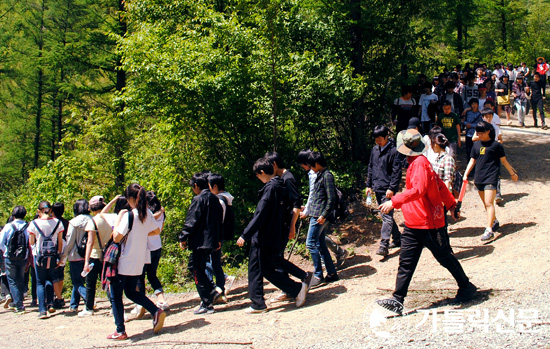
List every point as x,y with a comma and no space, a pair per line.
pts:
513,272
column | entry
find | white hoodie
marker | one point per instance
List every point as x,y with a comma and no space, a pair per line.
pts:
229,199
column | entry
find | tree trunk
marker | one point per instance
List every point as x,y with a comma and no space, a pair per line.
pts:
503,28
40,89
358,145
459,26
121,144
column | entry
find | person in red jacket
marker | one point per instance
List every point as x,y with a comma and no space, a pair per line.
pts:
423,205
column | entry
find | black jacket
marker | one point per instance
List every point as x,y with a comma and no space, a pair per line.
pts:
384,171
203,223
267,227
457,102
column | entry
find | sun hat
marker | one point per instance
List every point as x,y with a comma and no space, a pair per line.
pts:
96,200
410,142
540,58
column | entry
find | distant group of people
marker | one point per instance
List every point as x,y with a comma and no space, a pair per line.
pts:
510,89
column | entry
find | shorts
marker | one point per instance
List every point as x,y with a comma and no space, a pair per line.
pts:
483,187
59,274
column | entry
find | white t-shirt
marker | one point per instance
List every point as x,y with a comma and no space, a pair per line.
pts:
134,252
496,124
46,225
425,101
154,242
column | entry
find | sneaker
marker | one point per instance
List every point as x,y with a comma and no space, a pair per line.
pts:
140,312
85,313
307,280
395,244
466,294
301,298
158,320
316,282
34,303
391,304
496,225
163,305
118,336
73,310
229,280
7,302
382,251
332,278
499,199
51,309
219,296
43,315
544,127
58,303
251,310
20,311
487,235
204,310
12,307
341,258
283,297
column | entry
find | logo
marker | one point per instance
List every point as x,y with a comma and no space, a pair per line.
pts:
482,151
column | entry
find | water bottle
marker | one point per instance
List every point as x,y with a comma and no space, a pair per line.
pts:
369,200
84,272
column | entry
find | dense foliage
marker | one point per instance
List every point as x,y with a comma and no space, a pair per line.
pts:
97,94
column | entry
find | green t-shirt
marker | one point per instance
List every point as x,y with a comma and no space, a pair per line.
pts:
448,123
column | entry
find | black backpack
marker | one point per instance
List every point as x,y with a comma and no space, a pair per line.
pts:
47,251
81,246
17,244
228,225
340,210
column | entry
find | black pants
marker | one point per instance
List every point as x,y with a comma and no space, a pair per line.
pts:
288,267
151,271
412,243
389,227
538,104
30,273
198,259
91,282
266,262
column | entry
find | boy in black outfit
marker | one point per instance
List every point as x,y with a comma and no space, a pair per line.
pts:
203,226
266,232
383,177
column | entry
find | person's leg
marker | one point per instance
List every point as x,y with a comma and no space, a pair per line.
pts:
216,264
312,244
498,193
255,279
57,282
79,290
41,288
272,271
387,222
290,268
411,249
116,288
520,107
453,149
436,242
152,275
137,297
325,254
33,283
140,285
4,285
15,273
333,246
507,110
91,282
489,202
203,284
534,106
540,106
48,287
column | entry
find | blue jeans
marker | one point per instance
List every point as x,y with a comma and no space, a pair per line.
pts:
44,287
16,278
214,268
318,248
79,290
127,284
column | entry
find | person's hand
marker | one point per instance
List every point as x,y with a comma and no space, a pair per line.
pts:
240,242
86,267
468,125
389,193
183,245
386,207
219,246
292,232
368,191
303,215
515,177
321,220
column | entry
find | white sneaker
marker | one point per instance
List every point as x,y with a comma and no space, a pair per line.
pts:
140,312
85,313
229,280
163,305
301,298
487,235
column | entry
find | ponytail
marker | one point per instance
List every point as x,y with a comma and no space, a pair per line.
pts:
138,193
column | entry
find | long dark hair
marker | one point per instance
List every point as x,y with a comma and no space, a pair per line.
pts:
122,204
138,193
153,202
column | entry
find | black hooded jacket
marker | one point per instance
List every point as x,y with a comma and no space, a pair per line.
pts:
267,227
203,223
384,170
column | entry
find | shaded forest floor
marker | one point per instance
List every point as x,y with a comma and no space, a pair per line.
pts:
512,272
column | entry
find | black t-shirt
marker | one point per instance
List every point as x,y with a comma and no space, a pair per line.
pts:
535,88
487,156
502,86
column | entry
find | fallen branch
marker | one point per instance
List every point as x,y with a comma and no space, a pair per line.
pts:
173,343
446,289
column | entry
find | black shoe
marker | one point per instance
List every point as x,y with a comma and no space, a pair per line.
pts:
58,303
382,251
391,304
332,278
466,294
341,258
204,310
395,244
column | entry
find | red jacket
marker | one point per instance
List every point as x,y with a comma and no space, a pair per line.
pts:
424,197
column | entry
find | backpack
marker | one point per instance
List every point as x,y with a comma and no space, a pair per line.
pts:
340,210
17,244
111,254
81,246
47,255
228,225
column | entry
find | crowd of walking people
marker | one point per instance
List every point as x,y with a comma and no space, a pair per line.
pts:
122,249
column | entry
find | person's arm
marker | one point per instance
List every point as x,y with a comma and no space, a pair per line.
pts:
458,131
397,166
510,169
469,168
368,190
465,111
418,188
475,137
71,241
89,247
260,215
330,189
159,213
449,170
191,221
121,226
60,241
107,208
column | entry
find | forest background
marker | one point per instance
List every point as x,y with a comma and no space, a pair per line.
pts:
97,94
